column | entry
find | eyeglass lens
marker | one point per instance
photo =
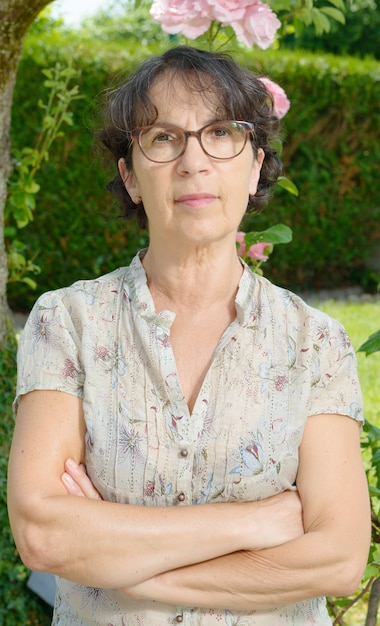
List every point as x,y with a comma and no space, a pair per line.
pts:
221,140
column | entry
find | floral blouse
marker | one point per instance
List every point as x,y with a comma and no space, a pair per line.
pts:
279,362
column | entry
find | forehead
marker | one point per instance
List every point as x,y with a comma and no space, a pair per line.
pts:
172,94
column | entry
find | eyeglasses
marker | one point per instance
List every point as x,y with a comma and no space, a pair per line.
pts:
163,143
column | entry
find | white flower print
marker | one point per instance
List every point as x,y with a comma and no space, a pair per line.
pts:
42,334
273,377
251,457
129,446
112,361
94,598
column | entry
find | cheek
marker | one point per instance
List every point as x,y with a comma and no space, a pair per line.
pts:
254,179
154,194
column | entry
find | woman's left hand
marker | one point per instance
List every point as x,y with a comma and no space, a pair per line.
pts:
77,483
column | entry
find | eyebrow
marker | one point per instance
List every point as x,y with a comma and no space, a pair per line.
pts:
214,120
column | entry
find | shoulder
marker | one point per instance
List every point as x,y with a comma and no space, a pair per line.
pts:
67,311
298,319
85,293
291,304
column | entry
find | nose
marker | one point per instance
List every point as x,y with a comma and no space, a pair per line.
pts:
193,133
193,159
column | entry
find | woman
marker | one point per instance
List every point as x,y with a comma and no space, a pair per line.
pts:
186,380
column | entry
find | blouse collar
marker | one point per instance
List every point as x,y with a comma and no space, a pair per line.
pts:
141,297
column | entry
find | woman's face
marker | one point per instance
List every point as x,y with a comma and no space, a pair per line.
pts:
195,199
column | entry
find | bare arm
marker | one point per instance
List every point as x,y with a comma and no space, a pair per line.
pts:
115,545
328,559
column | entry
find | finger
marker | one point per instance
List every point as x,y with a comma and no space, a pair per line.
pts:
78,474
71,486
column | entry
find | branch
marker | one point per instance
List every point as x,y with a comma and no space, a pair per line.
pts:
373,603
338,620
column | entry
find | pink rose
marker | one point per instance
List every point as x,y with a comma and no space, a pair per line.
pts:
257,250
227,11
257,26
281,103
192,19
240,239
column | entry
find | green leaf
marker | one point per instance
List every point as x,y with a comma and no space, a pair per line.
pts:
370,570
22,201
69,72
376,555
304,16
16,261
29,152
18,245
375,463
30,203
48,122
339,4
29,281
321,22
48,73
22,222
10,231
335,14
50,84
372,344
280,233
32,187
287,184
373,491
280,5
372,436
277,145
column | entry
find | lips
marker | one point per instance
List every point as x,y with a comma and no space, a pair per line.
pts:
195,199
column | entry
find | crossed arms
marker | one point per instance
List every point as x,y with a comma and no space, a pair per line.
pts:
237,555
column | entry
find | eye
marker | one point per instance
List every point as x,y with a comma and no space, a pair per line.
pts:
220,130
163,135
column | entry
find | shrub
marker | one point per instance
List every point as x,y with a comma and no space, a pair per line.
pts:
18,606
332,154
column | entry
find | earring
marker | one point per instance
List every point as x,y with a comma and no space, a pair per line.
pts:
137,199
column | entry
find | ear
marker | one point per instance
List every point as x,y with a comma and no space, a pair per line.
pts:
255,174
129,181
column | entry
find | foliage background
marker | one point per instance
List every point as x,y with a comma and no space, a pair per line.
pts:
359,36
18,606
331,152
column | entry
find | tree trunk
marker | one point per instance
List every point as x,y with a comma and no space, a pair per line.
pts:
373,603
15,18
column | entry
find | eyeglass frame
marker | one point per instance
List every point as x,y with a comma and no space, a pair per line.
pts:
136,133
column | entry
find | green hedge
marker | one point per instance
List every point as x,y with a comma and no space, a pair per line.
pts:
19,606
331,152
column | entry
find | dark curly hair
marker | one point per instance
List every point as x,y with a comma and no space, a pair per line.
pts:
242,96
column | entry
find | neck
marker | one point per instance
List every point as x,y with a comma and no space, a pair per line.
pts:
195,279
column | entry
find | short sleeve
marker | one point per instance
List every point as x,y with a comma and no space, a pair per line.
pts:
335,384
49,350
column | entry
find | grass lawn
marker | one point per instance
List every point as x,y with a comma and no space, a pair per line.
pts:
360,321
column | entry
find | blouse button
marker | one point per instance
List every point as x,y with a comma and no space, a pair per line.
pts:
181,496
179,619
184,452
